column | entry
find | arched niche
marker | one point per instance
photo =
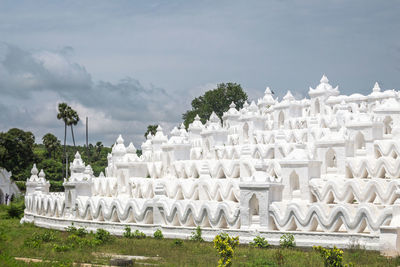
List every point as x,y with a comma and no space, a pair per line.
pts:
254,211
359,141
208,146
330,159
246,131
317,106
387,122
69,198
281,119
294,182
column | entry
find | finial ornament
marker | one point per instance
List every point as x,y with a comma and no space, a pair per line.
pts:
120,140
34,170
376,87
324,79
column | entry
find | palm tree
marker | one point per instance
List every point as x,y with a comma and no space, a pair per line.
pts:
73,119
63,115
151,129
51,143
99,146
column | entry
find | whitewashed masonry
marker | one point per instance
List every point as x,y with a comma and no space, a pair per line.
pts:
326,169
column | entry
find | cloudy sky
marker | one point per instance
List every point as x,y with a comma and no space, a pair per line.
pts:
127,64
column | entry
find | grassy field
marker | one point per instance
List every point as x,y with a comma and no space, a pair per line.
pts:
57,248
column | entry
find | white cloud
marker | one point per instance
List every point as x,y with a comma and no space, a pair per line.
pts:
35,82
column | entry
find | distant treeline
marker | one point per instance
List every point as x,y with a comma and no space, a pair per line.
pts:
18,152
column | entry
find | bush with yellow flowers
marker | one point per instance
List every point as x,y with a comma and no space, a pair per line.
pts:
225,246
333,257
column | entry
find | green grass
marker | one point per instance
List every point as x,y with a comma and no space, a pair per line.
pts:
13,243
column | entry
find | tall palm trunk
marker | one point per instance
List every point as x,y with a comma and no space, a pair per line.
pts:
65,148
73,138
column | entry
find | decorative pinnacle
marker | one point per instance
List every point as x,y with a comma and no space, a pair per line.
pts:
120,140
131,148
77,155
197,118
159,128
42,174
34,170
324,79
232,105
376,87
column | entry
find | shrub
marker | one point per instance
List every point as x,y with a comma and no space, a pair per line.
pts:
32,243
71,229
225,246
81,232
47,236
333,257
60,248
128,233
158,234
138,234
196,236
16,209
287,241
259,242
21,185
102,236
37,239
178,242
76,241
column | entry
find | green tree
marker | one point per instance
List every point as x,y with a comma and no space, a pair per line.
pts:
52,169
51,143
16,152
63,115
73,119
151,129
99,146
217,100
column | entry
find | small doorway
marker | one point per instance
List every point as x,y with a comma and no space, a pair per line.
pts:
254,211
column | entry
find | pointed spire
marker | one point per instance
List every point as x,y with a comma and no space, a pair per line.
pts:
182,126
324,79
159,128
131,148
213,117
288,96
376,87
253,107
175,131
34,170
42,174
120,140
232,105
268,91
77,155
197,118
88,170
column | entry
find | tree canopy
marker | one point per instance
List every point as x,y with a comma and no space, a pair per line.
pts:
16,152
51,143
217,100
151,129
